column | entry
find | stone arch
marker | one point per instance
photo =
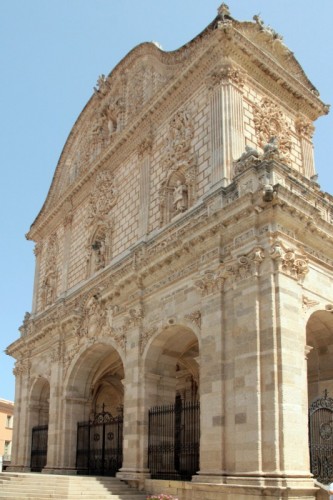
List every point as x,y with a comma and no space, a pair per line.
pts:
319,350
319,341
171,360
94,384
39,402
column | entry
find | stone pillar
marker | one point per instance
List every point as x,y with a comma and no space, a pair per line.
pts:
135,432
66,253
37,252
56,417
144,165
21,446
305,130
227,128
291,373
212,410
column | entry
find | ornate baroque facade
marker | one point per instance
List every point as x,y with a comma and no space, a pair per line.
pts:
185,251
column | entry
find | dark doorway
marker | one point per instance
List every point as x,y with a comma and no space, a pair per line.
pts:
39,448
174,436
100,445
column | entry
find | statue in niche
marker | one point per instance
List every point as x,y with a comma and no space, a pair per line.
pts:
49,289
180,198
99,254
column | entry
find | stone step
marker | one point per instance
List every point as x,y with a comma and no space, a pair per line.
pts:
31,486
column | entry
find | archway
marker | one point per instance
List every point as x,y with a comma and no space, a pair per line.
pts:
95,410
172,392
319,334
39,419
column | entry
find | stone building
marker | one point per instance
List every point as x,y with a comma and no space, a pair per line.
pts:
6,431
182,318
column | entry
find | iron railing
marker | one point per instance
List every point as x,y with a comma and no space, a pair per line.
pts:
174,436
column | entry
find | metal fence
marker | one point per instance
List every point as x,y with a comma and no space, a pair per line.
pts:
174,436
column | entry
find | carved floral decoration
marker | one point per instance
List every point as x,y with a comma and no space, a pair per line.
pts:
226,74
100,223
270,122
178,189
49,283
289,261
245,266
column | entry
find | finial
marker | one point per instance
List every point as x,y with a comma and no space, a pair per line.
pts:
223,11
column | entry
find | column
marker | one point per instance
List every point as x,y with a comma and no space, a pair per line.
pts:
144,165
305,130
227,128
37,252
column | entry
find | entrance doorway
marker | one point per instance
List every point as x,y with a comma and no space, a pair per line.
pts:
100,445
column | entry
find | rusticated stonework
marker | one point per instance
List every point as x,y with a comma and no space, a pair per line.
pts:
184,256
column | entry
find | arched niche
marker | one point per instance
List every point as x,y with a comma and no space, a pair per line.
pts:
99,250
178,190
319,339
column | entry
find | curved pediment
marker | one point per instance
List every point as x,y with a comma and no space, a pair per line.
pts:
146,73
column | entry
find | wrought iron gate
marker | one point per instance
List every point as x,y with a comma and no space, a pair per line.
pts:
174,435
321,438
100,445
38,448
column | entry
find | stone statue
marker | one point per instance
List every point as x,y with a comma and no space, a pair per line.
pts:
249,151
271,147
180,200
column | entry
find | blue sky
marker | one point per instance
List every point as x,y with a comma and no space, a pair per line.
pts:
51,54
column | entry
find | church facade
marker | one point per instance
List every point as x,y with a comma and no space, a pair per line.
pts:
181,333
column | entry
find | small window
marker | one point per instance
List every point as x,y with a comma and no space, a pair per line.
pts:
9,421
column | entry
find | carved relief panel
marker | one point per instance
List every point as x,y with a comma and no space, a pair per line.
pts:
50,279
270,123
178,189
100,223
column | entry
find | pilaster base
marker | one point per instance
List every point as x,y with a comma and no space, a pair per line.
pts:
133,477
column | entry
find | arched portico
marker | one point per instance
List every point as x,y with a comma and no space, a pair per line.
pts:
94,387
319,334
38,425
172,377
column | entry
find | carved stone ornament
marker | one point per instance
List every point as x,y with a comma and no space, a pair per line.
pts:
178,188
308,303
103,197
194,317
145,146
134,318
26,328
49,282
22,367
304,128
224,75
290,262
97,323
249,158
209,283
245,266
180,134
270,123
145,336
